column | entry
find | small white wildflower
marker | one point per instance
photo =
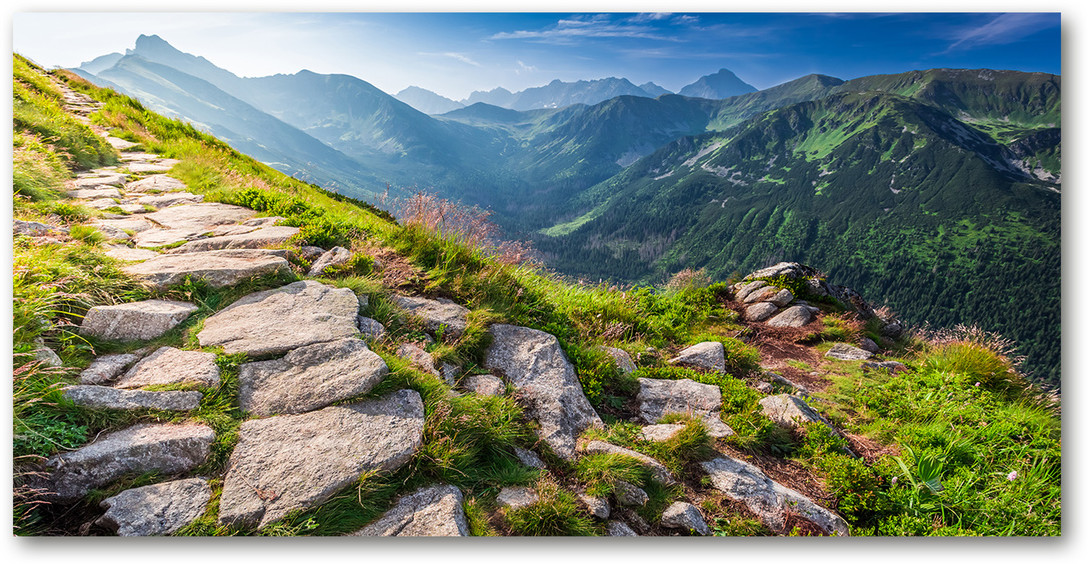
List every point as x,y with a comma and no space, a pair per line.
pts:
1012,476
977,384
895,480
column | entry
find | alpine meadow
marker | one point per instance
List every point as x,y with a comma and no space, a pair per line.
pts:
477,284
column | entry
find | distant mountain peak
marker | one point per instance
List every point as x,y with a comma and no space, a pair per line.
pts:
722,84
427,101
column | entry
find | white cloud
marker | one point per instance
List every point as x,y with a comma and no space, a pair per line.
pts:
573,29
456,56
1005,28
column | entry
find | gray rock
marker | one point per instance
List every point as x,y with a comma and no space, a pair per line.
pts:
685,516
103,204
46,355
106,176
516,497
156,183
790,411
142,167
218,268
169,199
764,387
276,321
200,217
743,290
779,379
598,506
107,368
135,321
769,500
156,510
623,360
93,193
659,433
168,365
420,358
892,330
708,355
310,252
888,365
256,239
782,298
620,529
428,512
842,351
35,229
133,224
657,470
536,366
760,311
440,314
130,156
869,345
293,462
104,397
121,252
449,372
764,294
335,256
658,398
370,328
485,385
816,284
168,449
529,458
629,495
120,144
795,316
309,377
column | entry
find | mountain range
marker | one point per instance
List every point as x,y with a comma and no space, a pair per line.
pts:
939,188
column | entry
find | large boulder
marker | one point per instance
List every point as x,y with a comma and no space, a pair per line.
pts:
219,269
104,397
155,510
168,365
437,315
309,377
135,321
429,512
658,398
293,462
167,449
760,311
708,355
533,362
276,321
770,501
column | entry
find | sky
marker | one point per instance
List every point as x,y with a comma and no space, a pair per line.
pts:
456,53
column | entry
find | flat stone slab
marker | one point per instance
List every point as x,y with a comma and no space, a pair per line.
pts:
485,385
658,398
121,252
165,448
276,321
135,321
428,512
743,290
120,144
172,366
440,314
105,397
533,362
169,199
107,368
794,316
660,433
138,167
220,268
200,217
309,377
657,470
130,156
262,237
158,182
156,510
790,411
133,224
768,499
291,462
708,355
93,193
842,351
97,180
516,497
103,204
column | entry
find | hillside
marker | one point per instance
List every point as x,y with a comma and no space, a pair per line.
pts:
207,347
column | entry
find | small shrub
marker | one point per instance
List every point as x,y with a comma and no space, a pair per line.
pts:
556,514
601,471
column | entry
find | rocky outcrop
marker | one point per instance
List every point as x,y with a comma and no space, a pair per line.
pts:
760,311
219,269
104,397
769,500
292,462
429,512
309,377
684,516
135,321
629,495
167,449
155,510
536,366
814,284
168,365
439,315
708,355
276,321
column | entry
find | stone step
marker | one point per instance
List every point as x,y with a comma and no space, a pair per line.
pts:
218,268
135,321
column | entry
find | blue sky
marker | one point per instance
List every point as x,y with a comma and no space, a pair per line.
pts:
455,53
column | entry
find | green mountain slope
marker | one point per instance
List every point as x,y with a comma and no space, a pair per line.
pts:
892,195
